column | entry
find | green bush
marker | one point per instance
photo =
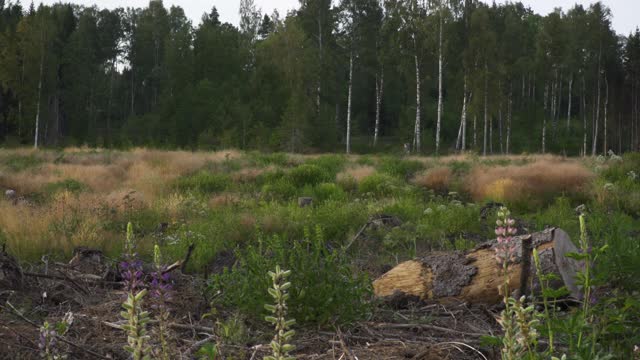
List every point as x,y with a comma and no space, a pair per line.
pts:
262,159
279,189
21,162
70,185
325,288
203,182
379,185
333,164
328,191
400,168
307,174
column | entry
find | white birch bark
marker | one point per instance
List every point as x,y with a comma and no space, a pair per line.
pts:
594,144
416,136
349,103
604,120
584,117
463,118
438,122
379,92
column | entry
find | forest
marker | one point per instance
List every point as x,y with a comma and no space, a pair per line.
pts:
353,75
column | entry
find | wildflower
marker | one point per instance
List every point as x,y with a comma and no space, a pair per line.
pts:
632,175
131,272
609,187
505,230
428,211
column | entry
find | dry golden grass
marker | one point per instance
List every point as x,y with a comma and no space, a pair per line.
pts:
438,178
536,179
356,173
224,199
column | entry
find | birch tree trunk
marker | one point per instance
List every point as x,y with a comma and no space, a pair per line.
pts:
320,53
349,103
604,120
569,106
379,92
460,142
597,119
438,122
416,136
486,111
584,117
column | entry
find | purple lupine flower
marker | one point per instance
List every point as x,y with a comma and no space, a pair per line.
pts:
161,287
131,272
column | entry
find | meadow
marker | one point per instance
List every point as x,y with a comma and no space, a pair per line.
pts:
241,215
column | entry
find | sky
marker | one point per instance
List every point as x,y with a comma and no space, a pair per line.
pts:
625,12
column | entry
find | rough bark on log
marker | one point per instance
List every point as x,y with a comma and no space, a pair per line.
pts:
475,276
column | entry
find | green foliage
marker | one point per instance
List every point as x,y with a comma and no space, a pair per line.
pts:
328,191
326,291
308,174
208,351
380,185
400,168
20,163
333,164
203,182
280,346
263,159
69,185
136,326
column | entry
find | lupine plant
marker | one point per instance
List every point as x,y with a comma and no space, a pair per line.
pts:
161,292
48,343
518,324
137,319
280,344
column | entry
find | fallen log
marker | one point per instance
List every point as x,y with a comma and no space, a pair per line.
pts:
475,276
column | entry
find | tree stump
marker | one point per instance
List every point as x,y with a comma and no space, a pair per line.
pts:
11,276
475,276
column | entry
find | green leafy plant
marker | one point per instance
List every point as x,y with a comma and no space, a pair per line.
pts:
280,345
136,326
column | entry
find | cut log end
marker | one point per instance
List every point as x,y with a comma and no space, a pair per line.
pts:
476,277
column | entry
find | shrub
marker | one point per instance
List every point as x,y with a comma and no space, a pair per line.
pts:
400,168
380,185
307,174
438,179
261,159
21,162
536,183
70,185
328,191
331,163
203,182
326,290
280,189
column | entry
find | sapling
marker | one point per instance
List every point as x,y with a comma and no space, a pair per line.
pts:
280,346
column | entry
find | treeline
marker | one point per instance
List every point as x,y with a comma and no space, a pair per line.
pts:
356,75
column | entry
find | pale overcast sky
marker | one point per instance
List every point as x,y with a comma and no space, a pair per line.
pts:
626,13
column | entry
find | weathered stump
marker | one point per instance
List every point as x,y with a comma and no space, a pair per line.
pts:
475,276
305,201
11,276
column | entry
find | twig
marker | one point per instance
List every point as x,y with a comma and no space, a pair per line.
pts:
187,257
344,347
58,336
465,345
196,346
425,327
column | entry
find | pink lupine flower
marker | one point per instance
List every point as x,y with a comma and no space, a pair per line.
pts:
505,229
